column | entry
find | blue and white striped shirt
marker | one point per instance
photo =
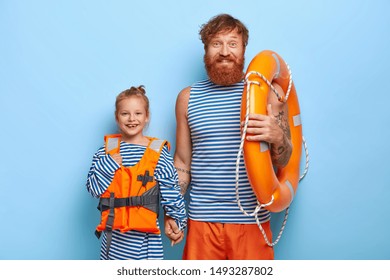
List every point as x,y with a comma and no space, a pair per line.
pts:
214,121
133,244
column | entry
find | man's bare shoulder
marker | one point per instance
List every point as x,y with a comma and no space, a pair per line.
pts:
183,96
185,92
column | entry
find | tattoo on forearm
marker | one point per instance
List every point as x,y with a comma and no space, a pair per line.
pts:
183,170
283,123
186,175
281,153
280,150
183,186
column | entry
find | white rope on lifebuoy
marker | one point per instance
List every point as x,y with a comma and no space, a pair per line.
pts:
243,136
307,159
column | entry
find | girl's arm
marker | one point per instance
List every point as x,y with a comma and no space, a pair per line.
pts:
171,199
101,173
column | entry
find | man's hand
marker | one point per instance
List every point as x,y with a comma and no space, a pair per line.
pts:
264,128
274,130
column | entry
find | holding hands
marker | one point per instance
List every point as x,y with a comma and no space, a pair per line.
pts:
172,231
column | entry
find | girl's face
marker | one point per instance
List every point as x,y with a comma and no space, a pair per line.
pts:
131,119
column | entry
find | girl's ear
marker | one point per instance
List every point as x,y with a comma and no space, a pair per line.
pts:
148,117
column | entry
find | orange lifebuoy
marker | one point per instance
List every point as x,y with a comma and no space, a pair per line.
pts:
274,190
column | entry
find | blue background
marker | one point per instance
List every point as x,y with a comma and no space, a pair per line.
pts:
62,63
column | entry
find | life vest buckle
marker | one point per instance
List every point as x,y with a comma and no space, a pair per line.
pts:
135,201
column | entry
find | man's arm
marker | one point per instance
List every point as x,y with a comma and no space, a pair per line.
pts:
280,150
273,128
183,152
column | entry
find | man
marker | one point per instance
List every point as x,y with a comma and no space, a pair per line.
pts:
208,133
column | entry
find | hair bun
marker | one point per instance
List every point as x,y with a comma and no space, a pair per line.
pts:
141,89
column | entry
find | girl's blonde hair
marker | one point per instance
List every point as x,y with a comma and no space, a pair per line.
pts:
133,91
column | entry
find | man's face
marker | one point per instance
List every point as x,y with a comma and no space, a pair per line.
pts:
224,58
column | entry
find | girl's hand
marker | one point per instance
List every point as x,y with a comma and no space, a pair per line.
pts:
117,158
172,231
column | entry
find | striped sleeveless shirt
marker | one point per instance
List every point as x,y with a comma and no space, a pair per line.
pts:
214,122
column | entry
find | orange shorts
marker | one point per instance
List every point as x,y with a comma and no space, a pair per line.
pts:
218,241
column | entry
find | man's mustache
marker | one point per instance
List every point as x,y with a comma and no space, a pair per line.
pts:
225,58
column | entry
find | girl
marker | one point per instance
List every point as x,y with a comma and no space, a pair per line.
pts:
129,174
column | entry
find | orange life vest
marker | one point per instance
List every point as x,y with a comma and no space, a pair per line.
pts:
131,202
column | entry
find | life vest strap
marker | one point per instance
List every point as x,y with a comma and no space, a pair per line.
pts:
110,222
149,199
98,234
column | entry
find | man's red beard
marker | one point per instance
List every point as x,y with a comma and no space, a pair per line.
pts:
223,75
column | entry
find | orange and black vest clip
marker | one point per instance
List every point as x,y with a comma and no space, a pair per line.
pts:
131,201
